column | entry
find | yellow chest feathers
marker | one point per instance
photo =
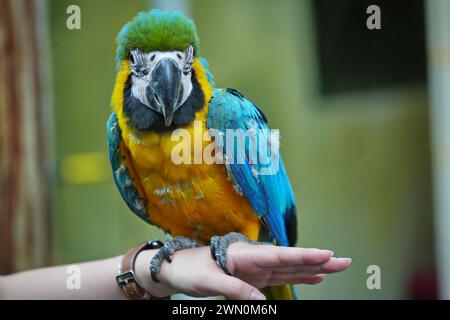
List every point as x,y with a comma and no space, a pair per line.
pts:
173,157
195,200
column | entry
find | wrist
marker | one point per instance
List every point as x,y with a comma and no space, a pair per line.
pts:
142,272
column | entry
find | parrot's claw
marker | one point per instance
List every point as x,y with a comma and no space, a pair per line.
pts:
219,247
168,249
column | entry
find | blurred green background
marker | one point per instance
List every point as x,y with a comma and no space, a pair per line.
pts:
358,161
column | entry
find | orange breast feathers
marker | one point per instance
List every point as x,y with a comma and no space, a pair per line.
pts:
196,200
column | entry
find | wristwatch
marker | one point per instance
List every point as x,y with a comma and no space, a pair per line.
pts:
126,278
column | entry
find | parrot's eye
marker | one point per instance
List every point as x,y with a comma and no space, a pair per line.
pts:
143,72
139,71
138,63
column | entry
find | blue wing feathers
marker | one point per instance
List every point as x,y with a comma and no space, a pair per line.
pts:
121,173
270,195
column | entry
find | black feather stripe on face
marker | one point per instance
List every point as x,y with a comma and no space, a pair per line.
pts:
143,118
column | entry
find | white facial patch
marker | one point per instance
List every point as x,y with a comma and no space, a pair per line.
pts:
143,64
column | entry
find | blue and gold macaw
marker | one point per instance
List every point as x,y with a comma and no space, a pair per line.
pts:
163,85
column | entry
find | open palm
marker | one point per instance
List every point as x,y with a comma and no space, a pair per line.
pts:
195,273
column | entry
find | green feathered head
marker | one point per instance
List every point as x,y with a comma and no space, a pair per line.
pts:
157,30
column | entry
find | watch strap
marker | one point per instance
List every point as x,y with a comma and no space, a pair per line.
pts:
126,279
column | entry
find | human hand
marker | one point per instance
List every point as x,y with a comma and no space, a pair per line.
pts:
195,273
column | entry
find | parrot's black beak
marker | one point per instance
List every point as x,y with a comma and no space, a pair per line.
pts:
165,82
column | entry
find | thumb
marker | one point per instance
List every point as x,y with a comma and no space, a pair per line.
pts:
236,289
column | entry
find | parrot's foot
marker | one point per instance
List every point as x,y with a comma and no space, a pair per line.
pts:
219,247
169,248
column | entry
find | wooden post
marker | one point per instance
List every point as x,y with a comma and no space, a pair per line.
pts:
25,136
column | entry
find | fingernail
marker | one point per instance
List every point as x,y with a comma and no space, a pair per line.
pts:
330,252
349,260
256,295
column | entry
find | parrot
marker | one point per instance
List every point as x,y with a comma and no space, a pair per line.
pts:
162,87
